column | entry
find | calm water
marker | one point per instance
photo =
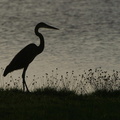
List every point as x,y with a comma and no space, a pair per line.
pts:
89,34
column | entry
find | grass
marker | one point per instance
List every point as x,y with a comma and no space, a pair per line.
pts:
63,98
49,104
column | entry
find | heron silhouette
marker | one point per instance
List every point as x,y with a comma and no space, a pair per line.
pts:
23,58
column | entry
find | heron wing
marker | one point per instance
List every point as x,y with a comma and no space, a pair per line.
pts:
23,58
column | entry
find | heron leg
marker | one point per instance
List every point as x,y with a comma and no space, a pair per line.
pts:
23,76
24,82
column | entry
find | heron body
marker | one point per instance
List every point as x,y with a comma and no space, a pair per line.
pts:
23,58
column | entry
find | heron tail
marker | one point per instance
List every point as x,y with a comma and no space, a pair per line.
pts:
6,71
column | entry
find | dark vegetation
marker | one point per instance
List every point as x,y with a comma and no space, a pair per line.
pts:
63,98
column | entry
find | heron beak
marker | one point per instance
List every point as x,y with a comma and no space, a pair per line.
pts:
51,27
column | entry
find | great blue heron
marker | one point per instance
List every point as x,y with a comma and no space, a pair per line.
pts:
27,54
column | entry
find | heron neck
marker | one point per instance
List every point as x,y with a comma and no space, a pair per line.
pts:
41,46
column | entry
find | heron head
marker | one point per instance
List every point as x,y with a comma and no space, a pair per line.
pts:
44,25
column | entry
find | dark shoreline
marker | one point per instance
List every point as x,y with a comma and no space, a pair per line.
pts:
49,104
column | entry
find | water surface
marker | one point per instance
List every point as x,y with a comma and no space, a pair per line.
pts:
89,34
